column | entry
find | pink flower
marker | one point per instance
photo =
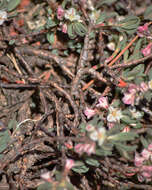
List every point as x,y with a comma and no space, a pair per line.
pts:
103,102
150,147
88,148
110,125
133,88
60,13
69,164
143,28
129,98
147,50
143,87
89,112
126,129
146,172
138,160
147,169
64,28
146,154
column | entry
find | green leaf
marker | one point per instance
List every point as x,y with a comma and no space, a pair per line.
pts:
12,4
116,103
3,5
70,31
136,71
147,95
144,142
104,16
148,13
45,186
80,168
92,162
82,127
105,2
11,42
12,123
123,136
79,28
50,38
4,140
137,51
129,24
50,23
106,150
126,119
150,74
125,147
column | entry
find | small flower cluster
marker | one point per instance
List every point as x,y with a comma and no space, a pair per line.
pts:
134,91
147,50
142,162
88,148
143,30
103,103
96,134
69,14
114,115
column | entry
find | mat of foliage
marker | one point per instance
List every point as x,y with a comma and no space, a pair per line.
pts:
75,94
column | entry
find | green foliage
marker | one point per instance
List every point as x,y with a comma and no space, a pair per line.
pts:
50,23
137,51
12,4
79,28
4,140
129,24
80,168
45,186
137,71
105,150
50,37
150,74
12,123
76,28
128,120
104,16
123,136
144,142
92,162
9,5
148,13
105,2
123,149
147,95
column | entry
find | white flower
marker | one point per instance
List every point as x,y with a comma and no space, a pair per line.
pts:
3,16
46,176
111,46
71,15
98,135
114,114
150,84
135,114
94,16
